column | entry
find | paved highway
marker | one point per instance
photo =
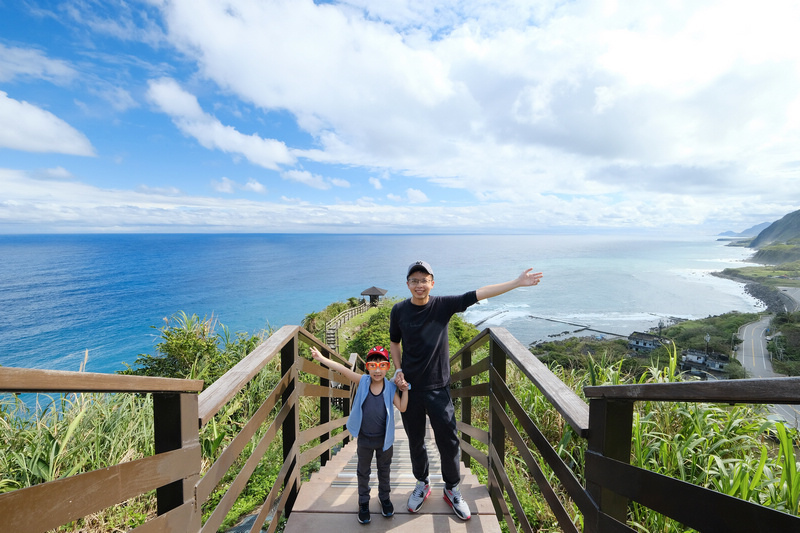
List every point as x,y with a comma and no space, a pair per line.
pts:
755,358
794,294
753,349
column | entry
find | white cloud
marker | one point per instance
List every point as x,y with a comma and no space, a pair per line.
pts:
415,196
224,185
70,206
253,185
58,173
119,98
306,178
511,101
229,186
314,180
164,191
26,127
375,182
189,117
31,63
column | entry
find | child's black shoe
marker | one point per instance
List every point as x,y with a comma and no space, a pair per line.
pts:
387,509
363,513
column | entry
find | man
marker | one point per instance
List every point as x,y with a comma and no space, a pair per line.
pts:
420,324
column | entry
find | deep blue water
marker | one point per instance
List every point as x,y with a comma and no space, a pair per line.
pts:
63,294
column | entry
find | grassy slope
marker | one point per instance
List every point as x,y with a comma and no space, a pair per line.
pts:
783,275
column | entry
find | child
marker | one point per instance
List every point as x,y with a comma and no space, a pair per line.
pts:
372,422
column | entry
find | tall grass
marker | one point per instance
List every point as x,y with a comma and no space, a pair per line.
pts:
63,435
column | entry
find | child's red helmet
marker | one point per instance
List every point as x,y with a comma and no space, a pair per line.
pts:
380,351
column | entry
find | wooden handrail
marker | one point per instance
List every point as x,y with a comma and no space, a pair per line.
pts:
564,400
37,380
346,315
774,390
234,380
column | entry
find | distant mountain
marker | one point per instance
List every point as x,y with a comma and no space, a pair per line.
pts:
749,232
779,232
779,243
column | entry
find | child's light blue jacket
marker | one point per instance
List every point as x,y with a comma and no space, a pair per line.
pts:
354,422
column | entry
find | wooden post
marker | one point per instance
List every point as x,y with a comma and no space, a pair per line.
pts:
466,405
610,433
324,418
347,402
497,358
291,426
496,429
175,423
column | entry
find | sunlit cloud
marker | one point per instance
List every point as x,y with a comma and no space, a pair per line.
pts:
209,132
29,128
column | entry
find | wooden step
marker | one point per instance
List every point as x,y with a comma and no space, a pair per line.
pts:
319,507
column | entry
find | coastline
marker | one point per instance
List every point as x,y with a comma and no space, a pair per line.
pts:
770,296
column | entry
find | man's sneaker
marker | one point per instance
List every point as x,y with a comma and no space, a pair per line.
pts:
418,495
363,513
456,501
387,509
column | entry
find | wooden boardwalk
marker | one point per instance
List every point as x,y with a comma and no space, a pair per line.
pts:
329,500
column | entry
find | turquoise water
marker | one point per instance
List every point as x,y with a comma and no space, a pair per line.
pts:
63,294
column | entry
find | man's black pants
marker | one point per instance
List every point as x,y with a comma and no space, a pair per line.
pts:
438,406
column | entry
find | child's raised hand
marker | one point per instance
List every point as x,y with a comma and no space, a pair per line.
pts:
315,353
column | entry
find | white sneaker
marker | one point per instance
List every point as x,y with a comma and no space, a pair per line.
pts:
418,496
456,501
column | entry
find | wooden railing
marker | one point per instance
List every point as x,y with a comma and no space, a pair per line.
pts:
174,472
183,487
332,326
610,481
176,462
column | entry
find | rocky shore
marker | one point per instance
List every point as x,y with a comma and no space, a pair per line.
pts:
769,295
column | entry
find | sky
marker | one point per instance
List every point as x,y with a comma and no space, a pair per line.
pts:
398,116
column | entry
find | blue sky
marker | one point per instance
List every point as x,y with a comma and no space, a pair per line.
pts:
401,116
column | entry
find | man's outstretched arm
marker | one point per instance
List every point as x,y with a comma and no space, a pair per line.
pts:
528,278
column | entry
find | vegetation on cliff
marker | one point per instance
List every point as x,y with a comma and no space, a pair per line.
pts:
578,352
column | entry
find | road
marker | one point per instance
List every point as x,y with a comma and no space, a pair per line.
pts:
753,350
755,358
794,294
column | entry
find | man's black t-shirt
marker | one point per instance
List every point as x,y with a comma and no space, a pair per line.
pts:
422,329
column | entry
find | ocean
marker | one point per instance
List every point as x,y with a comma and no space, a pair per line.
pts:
61,295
